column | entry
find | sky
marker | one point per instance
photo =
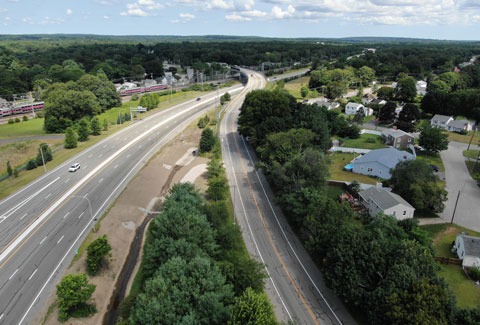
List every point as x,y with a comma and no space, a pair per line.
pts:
436,19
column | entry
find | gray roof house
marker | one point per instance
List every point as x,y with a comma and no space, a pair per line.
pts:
377,200
379,162
459,125
397,138
468,249
440,121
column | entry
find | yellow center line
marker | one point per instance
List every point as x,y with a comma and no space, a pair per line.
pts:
270,236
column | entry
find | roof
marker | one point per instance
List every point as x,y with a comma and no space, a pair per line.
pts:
460,124
383,198
441,118
389,157
355,105
378,101
471,244
395,133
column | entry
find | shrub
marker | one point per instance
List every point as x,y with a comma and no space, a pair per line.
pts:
73,292
39,115
25,118
371,140
17,120
70,139
10,121
474,273
207,141
201,123
96,252
9,169
31,164
15,172
134,97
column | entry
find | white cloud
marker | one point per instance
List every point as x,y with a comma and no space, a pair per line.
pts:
106,17
27,20
69,11
187,16
278,13
7,18
235,17
12,0
243,4
2,10
174,21
136,12
140,8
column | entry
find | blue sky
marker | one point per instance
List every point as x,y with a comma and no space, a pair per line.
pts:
439,19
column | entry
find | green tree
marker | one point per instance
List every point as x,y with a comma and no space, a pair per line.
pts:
366,75
73,293
83,130
359,116
207,140
70,139
304,91
415,181
192,292
31,164
95,126
9,169
438,85
227,96
217,188
105,124
15,173
44,149
102,88
96,252
433,139
335,89
150,101
386,114
407,117
386,93
252,308
406,89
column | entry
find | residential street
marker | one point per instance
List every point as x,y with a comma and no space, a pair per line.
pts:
458,179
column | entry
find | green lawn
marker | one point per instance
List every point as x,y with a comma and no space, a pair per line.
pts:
294,86
368,118
334,192
431,158
453,136
473,169
470,154
28,128
365,141
338,161
467,294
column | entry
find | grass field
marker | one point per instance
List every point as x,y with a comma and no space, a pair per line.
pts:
467,294
431,158
452,136
20,152
363,142
294,86
470,154
338,161
473,169
32,127
334,192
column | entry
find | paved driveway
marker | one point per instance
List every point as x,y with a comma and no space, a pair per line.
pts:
458,180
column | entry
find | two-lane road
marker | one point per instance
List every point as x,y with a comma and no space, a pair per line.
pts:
43,224
295,285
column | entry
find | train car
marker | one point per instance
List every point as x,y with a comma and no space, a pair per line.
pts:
141,90
5,111
157,87
21,109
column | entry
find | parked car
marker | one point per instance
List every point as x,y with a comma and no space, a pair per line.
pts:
74,167
435,168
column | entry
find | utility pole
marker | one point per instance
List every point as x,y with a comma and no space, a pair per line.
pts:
43,159
470,142
455,208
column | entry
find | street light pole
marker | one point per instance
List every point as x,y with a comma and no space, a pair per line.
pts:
89,205
43,159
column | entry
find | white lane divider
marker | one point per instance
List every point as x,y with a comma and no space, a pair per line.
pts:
58,242
11,276
21,218
31,276
114,167
128,156
90,155
49,194
43,240
67,180
81,214
1,316
100,180
66,215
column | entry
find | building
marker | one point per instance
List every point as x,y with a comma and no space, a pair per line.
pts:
397,138
467,249
368,98
440,121
379,162
377,199
378,101
459,125
323,102
352,109
421,87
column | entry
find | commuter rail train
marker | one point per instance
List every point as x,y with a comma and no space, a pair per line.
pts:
20,109
139,90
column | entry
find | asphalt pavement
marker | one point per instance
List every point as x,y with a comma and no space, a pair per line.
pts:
295,285
43,224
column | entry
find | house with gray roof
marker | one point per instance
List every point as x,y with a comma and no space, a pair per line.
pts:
397,138
468,249
352,109
379,162
440,121
377,199
459,125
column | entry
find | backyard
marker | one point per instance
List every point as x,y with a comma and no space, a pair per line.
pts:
365,141
431,158
453,136
338,161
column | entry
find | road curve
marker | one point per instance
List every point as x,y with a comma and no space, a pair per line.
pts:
295,286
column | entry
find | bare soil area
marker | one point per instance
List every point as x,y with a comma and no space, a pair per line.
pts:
127,213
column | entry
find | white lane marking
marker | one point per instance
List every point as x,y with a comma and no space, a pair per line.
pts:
100,180
128,155
104,146
31,276
21,218
11,276
115,166
110,137
1,316
49,194
81,214
19,205
286,239
90,155
58,242
250,229
66,215
108,198
68,180
100,156
43,240
85,167
141,146
3,217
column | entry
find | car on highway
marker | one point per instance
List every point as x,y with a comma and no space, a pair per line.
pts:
198,98
74,167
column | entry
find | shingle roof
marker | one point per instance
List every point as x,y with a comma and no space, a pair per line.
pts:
441,118
388,157
459,124
472,245
356,105
382,198
395,133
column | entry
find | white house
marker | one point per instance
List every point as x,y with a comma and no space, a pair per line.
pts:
468,249
459,125
421,87
377,199
352,109
440,121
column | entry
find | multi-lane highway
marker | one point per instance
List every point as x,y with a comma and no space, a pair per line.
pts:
295,285
289,75
43,224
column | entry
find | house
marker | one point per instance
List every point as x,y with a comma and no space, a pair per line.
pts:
378,101
398,109
323,102
459,125
421,87
397,138
440,121
352,109
377,199
379,162
468,249
368,98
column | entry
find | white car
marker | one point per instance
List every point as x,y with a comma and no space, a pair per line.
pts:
74,167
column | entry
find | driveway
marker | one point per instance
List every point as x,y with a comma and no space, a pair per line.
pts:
467,213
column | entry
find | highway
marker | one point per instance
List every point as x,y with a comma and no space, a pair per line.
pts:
43,224
295,285
288,75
